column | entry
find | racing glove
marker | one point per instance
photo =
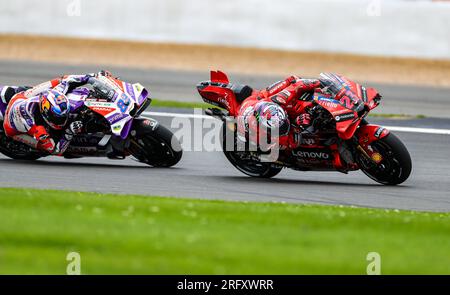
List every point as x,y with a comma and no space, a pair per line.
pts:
303,120
46,144
75,128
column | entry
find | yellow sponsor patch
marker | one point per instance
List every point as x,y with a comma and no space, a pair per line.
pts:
377,158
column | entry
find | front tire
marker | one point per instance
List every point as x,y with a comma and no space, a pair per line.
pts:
396,166
247,166
157,148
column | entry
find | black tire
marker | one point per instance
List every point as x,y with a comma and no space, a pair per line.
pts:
396,165
16,150
157,148
249,167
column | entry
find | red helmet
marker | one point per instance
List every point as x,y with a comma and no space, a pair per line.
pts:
54,107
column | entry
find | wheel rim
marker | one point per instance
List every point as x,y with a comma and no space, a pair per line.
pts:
150,150
389,168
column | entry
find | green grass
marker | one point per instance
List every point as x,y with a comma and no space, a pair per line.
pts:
154,235
179,104
396,116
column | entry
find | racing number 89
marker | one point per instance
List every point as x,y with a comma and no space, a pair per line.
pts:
123,103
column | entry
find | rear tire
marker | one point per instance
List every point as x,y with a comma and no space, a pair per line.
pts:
16,150
249,167
396,165
157,148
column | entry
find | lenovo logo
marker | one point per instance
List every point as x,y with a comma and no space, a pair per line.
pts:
312,155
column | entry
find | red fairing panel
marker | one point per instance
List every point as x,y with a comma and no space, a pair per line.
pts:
217,93
368,95
346,119
369,133
222,97
220,77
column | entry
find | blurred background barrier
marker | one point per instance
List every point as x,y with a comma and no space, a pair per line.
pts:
375,27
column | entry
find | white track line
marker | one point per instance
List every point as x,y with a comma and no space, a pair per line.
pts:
419,130
393,128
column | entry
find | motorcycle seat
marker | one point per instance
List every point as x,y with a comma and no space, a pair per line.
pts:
241,92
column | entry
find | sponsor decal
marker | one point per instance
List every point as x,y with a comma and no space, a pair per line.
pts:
322,98
329,104
95,103
103,110
344,117
224,102
379,132
151,123
138,87
123,103
311,155
377,158
130,90
276,86
116,118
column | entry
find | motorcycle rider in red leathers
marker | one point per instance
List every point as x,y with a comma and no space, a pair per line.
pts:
277,106
33,114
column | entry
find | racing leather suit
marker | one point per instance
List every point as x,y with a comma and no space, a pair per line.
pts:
292,94
23,121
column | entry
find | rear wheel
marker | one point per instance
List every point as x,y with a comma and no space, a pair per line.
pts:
158,148
396,165
245,162
16,150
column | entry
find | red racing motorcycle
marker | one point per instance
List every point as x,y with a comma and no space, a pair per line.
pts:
342,139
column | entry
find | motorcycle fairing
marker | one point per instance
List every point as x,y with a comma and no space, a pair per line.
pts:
353,100
117,112
219,77
370,133
345,118
218,92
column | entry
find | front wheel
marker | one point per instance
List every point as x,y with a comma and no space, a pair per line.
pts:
396,165
244,162
156,146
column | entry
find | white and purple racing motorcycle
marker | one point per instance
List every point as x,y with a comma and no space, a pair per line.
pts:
113,128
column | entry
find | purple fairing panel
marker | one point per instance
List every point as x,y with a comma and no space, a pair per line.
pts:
75,104
129,90
143,96
126,129
76,98
82,91
116,117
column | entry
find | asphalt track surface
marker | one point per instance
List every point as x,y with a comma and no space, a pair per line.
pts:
208,175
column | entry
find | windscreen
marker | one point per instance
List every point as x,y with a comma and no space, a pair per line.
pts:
337,86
